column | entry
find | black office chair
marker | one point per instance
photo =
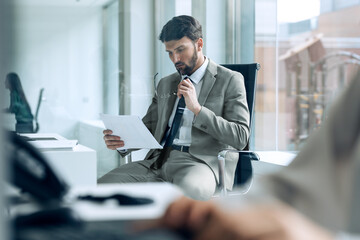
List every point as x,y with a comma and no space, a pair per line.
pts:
243,170
36,129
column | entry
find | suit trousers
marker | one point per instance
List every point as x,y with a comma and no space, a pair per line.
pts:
193,176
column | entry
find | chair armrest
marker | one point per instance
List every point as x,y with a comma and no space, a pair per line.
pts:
251,155
245,158
221,162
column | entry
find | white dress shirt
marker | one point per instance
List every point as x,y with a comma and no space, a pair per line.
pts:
183,136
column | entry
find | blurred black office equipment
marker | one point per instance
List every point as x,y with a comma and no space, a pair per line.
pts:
31,173
243,170
53,217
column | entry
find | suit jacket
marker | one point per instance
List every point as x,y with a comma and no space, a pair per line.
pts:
323,181
222,123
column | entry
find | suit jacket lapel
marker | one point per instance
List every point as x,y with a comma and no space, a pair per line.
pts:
208,82
167,107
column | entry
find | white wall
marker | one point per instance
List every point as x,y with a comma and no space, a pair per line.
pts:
139,67
59,48
215,42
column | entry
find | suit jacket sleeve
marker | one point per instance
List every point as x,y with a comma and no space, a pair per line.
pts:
227,119
151,117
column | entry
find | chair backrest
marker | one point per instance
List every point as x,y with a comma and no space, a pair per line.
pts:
37,111
249,71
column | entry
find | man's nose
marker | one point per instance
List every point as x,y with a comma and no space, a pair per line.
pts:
176,58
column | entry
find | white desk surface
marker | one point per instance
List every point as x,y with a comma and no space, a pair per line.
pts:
272,161
90,134
77,165
276,157
162,193
43,135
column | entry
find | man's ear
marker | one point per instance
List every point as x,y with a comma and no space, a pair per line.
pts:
200,44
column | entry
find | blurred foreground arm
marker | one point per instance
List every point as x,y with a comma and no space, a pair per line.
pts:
322,183
207,221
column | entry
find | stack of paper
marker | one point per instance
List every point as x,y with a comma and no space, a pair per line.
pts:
49,141
54,144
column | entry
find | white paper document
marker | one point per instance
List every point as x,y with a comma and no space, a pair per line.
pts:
132,131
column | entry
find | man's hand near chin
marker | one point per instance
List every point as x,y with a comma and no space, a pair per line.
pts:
187,90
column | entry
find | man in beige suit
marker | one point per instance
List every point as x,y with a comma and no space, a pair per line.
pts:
316,197
216,117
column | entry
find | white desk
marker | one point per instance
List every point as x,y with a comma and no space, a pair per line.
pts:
91,134
272,161
162,193
77,166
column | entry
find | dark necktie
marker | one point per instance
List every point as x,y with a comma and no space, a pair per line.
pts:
176,122
172,132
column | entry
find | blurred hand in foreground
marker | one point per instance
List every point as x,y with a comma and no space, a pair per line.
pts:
207,221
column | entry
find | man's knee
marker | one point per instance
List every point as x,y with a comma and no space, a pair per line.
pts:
199,190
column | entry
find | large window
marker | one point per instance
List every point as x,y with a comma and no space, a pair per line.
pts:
103,56
308,51
57,45
111,54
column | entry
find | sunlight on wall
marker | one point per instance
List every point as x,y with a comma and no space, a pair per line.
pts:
297,10
182,7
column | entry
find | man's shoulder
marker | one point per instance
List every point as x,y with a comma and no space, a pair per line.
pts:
218,69
174,75
169,80
226,72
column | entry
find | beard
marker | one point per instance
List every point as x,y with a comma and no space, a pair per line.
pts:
188,69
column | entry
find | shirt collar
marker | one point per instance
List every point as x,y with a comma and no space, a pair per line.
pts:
199,73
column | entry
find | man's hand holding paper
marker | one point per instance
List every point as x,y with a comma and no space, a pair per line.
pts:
112,142
127,132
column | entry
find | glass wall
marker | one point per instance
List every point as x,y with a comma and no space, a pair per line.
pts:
102,57
308,51
222,22
57,46
111,54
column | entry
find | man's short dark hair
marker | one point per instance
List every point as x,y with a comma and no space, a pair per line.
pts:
179,27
